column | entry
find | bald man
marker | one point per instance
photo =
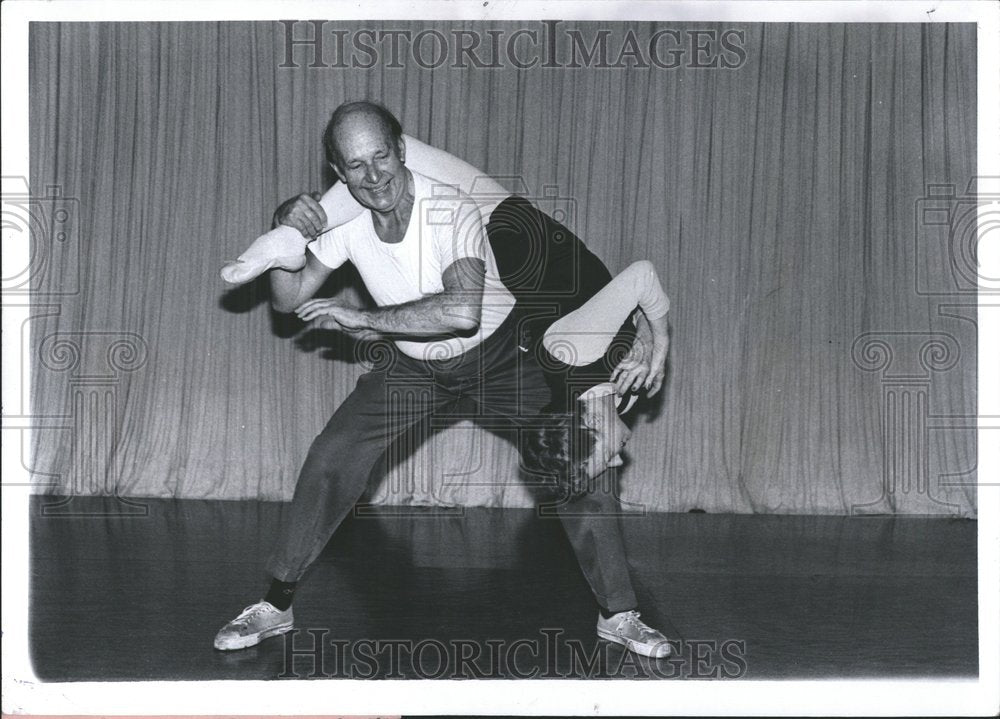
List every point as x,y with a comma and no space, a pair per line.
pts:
426,262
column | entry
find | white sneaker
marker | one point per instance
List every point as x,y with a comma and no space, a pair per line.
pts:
256,622
627,629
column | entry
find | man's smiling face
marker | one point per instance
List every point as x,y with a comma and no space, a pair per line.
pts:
370,162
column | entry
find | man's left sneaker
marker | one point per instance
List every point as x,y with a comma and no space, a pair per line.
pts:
627,629
255,623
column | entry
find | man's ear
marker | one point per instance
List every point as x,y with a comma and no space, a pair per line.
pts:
336,170
401,149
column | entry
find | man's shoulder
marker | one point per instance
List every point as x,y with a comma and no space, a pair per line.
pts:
341,241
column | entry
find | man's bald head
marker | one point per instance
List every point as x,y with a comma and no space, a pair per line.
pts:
363,113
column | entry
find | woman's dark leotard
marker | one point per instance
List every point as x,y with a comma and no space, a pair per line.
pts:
551,273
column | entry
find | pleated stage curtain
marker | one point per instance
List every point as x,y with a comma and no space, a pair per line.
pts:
816,364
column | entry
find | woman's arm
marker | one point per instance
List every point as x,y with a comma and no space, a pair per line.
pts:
645,364
583,336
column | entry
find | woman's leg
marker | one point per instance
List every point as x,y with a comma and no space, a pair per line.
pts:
285,247
339,205
445,167
582,336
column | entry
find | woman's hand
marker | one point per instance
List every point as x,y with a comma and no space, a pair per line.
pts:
633,372
657,373
645,365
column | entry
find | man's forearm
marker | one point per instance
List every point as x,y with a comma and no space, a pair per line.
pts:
443,313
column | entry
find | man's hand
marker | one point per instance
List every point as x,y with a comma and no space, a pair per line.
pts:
304,213
331,315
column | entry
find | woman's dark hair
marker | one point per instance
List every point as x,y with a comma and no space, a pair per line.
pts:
388,120
558,449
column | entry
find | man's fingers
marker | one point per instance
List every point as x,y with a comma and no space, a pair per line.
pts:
301,224
323,308
315,212
328,323
315,312
305,221
306,305
315,219
322,323
312,308
304,213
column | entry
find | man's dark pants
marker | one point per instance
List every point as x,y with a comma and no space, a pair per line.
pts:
507,388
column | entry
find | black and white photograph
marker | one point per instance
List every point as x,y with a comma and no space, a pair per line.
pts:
464,358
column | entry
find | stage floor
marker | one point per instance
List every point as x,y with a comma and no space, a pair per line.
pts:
423,593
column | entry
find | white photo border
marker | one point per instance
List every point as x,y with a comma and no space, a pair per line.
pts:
24,694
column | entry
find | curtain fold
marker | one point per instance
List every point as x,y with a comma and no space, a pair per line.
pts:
779,201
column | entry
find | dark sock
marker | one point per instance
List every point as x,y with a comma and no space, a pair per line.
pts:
280,594
607,614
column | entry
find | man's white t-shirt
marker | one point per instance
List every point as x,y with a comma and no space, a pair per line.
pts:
445,225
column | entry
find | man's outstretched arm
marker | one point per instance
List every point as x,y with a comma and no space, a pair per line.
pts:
456,309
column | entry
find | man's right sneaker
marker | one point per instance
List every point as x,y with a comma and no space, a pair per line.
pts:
627,629
256,622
